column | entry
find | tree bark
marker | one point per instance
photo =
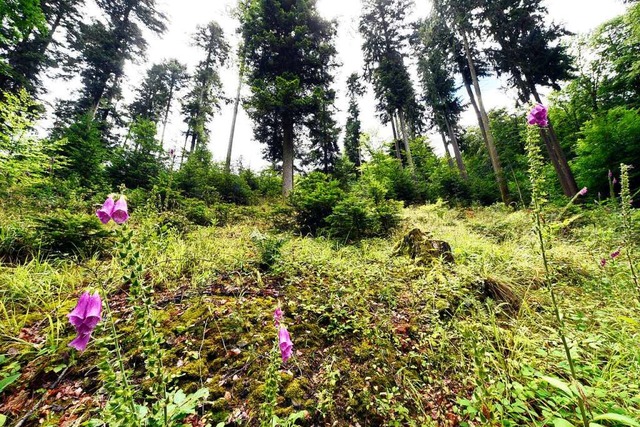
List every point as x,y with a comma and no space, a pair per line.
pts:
446,151
567,181
395,136
166,114
287,157
236,105
456,150
491,147
474,104
405,139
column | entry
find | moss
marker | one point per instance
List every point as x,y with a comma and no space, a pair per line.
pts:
296,390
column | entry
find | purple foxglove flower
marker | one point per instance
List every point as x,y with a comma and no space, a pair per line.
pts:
615,181
105,212
277,316
583,192
84,318
538,116
610,174
615,254
286,346
80,342
603,262
120,212
172,153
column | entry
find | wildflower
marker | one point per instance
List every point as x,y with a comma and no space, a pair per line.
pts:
113,210
84,319
286,346
277,316
603,262
538,116
583,192
120,212
615,254
615,181
172,153
610,174
104,213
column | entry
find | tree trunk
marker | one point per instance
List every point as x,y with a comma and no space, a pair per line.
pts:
446,151
405,139
491,147
474,104
456,150
236,105
184,147
166,114
567,181
287,157
395,136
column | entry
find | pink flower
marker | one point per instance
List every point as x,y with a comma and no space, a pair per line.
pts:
278,316
583,192
117,211
286,346
615,254
172,153
84,319
615,181
603,262
538,116
104,213
610,174
120,213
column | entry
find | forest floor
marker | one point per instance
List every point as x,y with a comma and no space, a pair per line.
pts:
379,339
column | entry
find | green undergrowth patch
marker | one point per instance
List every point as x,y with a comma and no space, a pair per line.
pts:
378,339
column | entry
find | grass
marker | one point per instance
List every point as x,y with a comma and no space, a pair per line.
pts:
378,339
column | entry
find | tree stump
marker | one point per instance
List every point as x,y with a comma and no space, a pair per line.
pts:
419,246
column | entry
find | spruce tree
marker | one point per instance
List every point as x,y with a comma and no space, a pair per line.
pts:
289,52
203,100
354,126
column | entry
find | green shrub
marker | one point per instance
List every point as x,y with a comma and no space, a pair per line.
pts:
313,201
60,233
365,212
197,212
269,249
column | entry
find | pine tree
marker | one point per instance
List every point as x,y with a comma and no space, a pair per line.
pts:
458,16
384,28
40,49
203,100
531,55
156,93
289,51
106,47
18,19
353,128
440,93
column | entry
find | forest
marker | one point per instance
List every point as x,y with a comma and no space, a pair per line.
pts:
477,267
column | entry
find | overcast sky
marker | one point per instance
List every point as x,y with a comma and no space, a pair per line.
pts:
579,16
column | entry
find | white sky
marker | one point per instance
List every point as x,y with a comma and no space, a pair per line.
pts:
578,16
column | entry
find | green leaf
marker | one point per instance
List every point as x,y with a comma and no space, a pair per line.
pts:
8,380
623,419
560,385
561,422
3,420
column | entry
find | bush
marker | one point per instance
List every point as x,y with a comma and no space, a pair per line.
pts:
197,212
313,201
61,233
269,249
364,213
397,181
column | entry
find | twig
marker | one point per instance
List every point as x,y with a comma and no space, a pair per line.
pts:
24,419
